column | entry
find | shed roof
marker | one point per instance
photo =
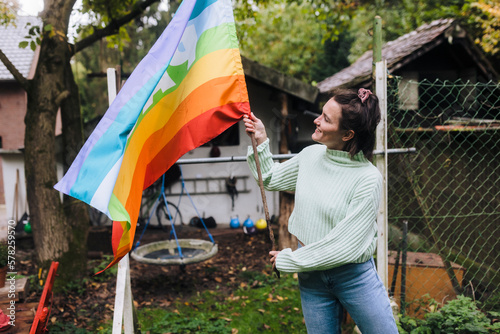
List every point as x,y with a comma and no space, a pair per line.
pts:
403,50
10,36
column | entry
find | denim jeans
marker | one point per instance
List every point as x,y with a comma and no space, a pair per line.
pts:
355,287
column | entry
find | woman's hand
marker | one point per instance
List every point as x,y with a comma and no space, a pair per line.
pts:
273,255
255,125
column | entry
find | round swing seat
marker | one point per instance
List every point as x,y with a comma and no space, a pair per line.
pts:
166,253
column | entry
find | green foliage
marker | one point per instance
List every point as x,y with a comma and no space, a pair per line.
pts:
99,265
460,315
158,321
136,39
399,18
483,16
8,11
33,38
333,58
493,303
284,36
264,304
3,254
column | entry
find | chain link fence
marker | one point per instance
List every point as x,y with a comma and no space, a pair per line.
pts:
444,201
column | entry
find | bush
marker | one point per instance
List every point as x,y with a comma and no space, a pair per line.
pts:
460,315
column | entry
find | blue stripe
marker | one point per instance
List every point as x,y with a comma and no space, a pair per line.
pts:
200,7
106,144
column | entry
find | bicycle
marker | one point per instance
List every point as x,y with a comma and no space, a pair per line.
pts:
159,217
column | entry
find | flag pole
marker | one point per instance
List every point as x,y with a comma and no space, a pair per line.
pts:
263,194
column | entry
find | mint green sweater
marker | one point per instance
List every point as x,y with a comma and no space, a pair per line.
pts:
336,204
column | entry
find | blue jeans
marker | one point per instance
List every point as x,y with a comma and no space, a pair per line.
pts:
355,287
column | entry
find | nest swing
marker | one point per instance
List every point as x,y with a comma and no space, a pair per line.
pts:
177,251
168,252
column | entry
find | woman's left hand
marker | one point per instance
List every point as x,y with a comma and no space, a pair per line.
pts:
273,255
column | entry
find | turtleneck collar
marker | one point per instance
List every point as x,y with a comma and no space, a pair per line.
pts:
344,158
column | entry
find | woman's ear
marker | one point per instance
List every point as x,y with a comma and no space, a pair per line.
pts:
348,135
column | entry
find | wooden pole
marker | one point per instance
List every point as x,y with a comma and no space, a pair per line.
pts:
382,163
377,43
264,201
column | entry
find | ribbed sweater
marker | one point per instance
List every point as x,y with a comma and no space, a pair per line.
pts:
336,204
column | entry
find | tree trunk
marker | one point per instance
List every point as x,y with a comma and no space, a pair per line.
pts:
285,239
59,232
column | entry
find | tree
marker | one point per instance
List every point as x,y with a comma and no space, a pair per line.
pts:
8,11
60,228
90,64
483,18
281,35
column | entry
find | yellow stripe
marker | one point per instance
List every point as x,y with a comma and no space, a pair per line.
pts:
214,65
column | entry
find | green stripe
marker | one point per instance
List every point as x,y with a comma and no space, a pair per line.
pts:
117,210
211,40
221,37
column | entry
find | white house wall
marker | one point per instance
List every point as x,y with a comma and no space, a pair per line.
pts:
12,164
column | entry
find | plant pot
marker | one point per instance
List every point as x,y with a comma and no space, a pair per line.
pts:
3,275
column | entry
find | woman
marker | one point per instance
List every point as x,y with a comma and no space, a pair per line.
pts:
337,195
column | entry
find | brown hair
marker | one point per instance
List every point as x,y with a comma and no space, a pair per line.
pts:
360,117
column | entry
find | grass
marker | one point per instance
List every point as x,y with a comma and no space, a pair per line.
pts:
262,303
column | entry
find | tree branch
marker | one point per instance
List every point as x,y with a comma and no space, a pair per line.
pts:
113,26
13,70
61,97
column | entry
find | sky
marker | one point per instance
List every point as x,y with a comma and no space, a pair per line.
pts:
31,7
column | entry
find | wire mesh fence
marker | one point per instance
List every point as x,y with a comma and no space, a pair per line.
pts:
447,194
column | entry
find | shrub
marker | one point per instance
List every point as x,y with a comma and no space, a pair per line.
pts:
460,315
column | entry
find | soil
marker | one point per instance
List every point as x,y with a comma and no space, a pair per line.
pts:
154,285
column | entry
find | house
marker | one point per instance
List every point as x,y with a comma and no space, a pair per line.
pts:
13,104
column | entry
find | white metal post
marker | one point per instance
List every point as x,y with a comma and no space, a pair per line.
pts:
381,162
123,313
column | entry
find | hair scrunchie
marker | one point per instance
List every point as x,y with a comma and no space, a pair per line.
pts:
363,94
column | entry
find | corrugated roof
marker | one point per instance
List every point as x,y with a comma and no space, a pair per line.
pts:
394,52
10,36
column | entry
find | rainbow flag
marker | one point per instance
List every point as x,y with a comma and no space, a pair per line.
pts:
188,89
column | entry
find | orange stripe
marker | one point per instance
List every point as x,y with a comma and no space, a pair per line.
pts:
194,134
217,118
212,94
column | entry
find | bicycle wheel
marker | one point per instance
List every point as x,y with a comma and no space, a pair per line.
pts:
97,218
165,217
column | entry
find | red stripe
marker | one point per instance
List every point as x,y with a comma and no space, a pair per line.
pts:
193,134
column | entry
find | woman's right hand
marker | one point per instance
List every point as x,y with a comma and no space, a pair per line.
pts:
255,125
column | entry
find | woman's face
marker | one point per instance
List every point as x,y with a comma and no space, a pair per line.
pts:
328,131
